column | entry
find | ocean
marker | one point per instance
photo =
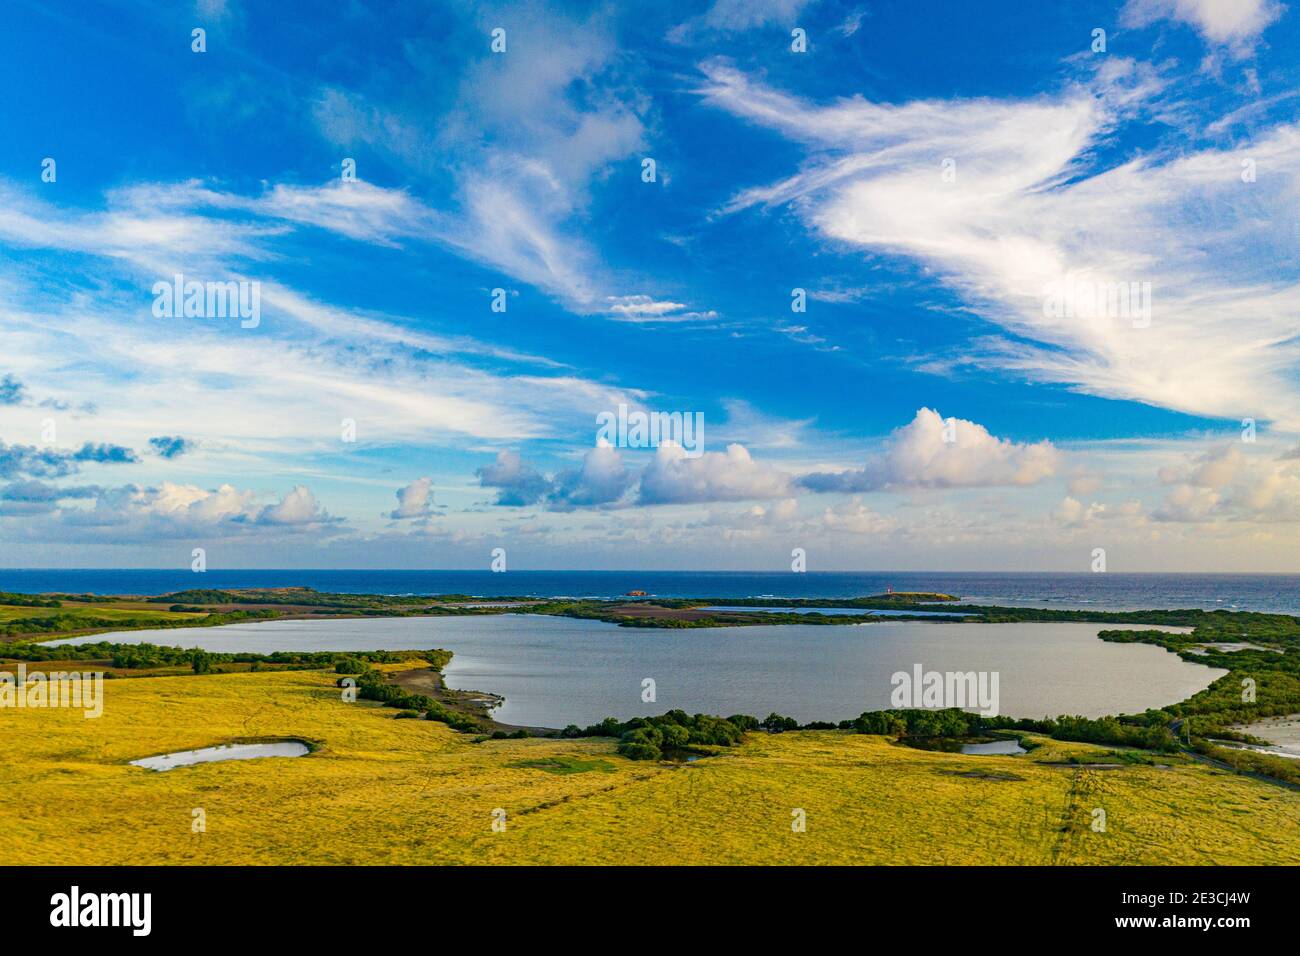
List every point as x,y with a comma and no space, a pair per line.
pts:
1278,593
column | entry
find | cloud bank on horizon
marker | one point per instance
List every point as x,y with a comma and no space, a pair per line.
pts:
943,289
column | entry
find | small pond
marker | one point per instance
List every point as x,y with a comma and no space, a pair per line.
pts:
185,758
995,747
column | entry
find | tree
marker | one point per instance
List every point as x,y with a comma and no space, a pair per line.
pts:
776,724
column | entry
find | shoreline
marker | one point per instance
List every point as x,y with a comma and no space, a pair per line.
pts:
1246,645
57,615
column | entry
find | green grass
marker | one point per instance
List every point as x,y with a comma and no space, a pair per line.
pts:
381,790
75,613
566,765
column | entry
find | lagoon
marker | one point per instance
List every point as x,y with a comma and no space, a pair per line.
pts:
554,671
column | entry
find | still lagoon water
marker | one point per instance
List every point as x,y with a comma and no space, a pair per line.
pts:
555,671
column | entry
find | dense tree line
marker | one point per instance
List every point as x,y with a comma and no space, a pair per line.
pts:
371,685
648,738
1262,681
1150,730
69,623
28,600
144,656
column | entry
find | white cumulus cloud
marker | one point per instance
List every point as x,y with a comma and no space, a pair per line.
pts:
414,500
934,452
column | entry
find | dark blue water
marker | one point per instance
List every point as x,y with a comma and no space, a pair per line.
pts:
828,611
1109,591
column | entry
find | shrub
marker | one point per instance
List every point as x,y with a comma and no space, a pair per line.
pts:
880,722
776,724
639,751
642,743
609,727
675,735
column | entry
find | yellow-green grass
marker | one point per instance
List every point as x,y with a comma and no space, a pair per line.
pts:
383,790
105,666
9,612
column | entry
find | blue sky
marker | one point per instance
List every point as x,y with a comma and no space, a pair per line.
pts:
931,176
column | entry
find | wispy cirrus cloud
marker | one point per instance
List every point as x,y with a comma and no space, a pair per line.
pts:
1024,212
743,14
328,362
1236,24
523,167
645,309
551,120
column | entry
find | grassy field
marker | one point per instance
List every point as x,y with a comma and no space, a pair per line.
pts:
92,612
384,790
